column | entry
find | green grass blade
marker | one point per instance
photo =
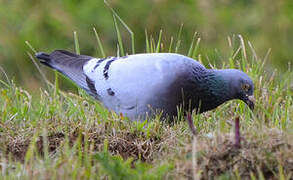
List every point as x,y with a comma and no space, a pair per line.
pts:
7,79
76,43
45,145
177,46
171,45
265,59
147,43
56,90
178,38
37,66
30,46
99,43
118,51
244,59
243,46
152,42
255,58
40,71
4,83
119,37
29,156
189,54
195,49
77,51
124,24
159,42
252,176
260,174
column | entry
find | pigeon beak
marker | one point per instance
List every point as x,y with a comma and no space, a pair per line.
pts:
250,101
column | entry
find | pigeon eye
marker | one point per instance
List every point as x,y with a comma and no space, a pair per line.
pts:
245,87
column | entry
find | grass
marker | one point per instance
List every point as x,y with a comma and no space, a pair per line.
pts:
60,135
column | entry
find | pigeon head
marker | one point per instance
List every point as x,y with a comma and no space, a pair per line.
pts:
240,85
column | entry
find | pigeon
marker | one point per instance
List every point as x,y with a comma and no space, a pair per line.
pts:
140,85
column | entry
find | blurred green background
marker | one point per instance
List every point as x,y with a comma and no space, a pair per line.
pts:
49,25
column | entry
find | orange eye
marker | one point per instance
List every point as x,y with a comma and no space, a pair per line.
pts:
245,87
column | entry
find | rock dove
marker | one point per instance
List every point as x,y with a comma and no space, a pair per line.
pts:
140,85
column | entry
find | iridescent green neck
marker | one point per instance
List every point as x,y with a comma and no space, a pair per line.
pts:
215,90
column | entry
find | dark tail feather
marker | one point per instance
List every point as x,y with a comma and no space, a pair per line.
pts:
42,55
44,58
69,64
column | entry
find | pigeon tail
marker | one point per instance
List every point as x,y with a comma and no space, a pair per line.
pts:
69,64
44,58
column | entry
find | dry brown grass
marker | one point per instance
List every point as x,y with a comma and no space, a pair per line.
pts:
265,153
124,143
